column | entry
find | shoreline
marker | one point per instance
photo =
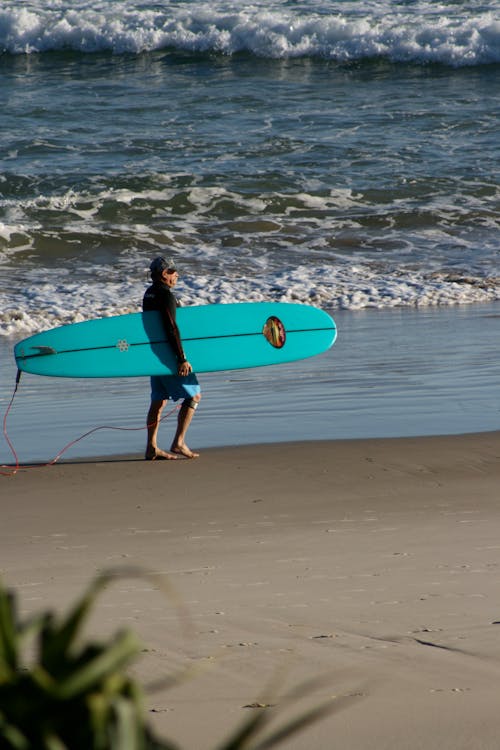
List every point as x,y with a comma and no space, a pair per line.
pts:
283,445
113,458
396,372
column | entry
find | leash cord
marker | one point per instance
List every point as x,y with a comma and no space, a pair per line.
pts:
13,470
9,407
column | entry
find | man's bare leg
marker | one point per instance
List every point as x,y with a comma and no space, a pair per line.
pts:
153,423
183,421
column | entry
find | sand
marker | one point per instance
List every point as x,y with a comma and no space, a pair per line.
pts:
371,563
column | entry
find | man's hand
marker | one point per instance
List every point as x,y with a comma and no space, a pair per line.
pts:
184,369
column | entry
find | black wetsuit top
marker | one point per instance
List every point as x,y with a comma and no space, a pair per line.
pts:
159,297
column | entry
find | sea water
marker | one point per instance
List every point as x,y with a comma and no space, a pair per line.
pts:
342,154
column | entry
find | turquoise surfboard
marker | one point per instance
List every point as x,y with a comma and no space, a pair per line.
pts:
215,337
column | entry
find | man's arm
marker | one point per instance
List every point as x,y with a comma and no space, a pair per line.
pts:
169,315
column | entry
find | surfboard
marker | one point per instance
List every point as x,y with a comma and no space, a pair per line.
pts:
215,337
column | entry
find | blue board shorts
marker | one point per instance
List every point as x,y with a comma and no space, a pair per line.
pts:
174,387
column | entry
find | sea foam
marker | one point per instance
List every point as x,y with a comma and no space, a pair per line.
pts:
452,34
60,301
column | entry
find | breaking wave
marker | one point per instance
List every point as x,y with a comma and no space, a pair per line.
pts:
451,34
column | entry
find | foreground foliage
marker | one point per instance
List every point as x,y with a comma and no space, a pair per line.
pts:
75,695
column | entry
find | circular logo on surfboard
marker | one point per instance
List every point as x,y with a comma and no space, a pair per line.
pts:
274,331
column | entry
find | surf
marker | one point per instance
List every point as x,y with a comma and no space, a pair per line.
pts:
452,35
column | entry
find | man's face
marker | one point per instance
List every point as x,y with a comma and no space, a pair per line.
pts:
170,277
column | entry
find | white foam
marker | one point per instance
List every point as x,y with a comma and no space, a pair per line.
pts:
291,247
455,34
59,300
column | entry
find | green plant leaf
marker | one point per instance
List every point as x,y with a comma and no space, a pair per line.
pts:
43,680
57,640
295,725
99,710
246,731
13,736
9,652
80,697
252,734
52,742
127,727
31,627
109,660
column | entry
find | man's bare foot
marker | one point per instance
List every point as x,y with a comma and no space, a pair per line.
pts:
159,455
183,450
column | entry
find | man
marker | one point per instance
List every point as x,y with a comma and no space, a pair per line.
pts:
159,296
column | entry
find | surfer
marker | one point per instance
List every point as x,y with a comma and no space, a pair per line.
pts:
159,296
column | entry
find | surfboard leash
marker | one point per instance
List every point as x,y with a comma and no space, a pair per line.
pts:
14,469
9,407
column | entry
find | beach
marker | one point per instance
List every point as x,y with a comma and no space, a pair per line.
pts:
372,564
341,523
364,554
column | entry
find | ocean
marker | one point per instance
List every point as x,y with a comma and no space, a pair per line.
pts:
342,154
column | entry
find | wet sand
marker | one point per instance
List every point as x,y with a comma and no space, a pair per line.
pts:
391,373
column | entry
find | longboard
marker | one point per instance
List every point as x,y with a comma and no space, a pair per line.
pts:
215,337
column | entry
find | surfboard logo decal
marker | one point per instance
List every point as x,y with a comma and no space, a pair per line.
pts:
123,345
274,332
